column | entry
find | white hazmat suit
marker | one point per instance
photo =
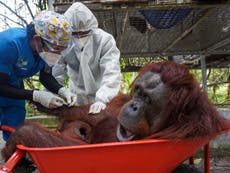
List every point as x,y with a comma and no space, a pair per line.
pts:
91,62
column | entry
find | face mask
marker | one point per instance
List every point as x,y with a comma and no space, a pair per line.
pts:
83,40
49,57
80,42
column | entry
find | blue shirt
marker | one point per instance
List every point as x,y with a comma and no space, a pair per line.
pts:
17,60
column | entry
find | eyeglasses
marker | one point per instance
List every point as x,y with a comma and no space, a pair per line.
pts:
53,48
81,34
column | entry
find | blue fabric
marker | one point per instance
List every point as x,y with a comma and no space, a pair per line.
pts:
17,60
12,116
164,19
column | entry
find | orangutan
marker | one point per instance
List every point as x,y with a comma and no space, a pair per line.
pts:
165,102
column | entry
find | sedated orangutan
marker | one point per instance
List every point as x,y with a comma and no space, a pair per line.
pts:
165,102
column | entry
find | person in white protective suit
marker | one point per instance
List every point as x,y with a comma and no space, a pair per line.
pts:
91,62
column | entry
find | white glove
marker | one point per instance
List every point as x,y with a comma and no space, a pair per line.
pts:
97,107
66,94
47,99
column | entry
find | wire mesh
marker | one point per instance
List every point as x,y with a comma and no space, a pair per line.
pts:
169,31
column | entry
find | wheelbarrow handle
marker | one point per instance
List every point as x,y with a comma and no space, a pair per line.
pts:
7,128
12,161
15,157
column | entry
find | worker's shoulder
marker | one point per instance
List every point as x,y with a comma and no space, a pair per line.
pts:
102,35
13,36
13,33
99,31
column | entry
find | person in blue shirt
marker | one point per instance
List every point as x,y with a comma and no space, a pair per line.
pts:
25,52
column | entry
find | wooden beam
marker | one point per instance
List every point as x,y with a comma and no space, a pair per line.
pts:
123,31
188,52
115,26
207,12
204,73
218,44
149,5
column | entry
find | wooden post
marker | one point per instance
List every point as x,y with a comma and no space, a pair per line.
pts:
207,146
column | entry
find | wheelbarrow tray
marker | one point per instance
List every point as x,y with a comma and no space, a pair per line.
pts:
148,156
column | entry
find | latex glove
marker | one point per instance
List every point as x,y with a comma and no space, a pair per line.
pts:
47,99
66,94
97,107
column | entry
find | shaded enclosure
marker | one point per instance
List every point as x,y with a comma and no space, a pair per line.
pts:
147,29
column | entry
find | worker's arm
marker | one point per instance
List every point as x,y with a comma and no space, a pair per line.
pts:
51,84
7,90
48,80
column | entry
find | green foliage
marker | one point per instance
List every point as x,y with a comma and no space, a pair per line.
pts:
31,84
30,111
217,81
218,84
127,79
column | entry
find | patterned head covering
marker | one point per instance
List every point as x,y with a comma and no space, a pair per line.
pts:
53,27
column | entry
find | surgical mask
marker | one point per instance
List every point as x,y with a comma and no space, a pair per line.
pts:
49,57
80,42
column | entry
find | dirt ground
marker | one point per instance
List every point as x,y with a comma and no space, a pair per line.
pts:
219,160
220,165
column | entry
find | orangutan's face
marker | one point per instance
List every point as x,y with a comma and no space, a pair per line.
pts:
139,116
